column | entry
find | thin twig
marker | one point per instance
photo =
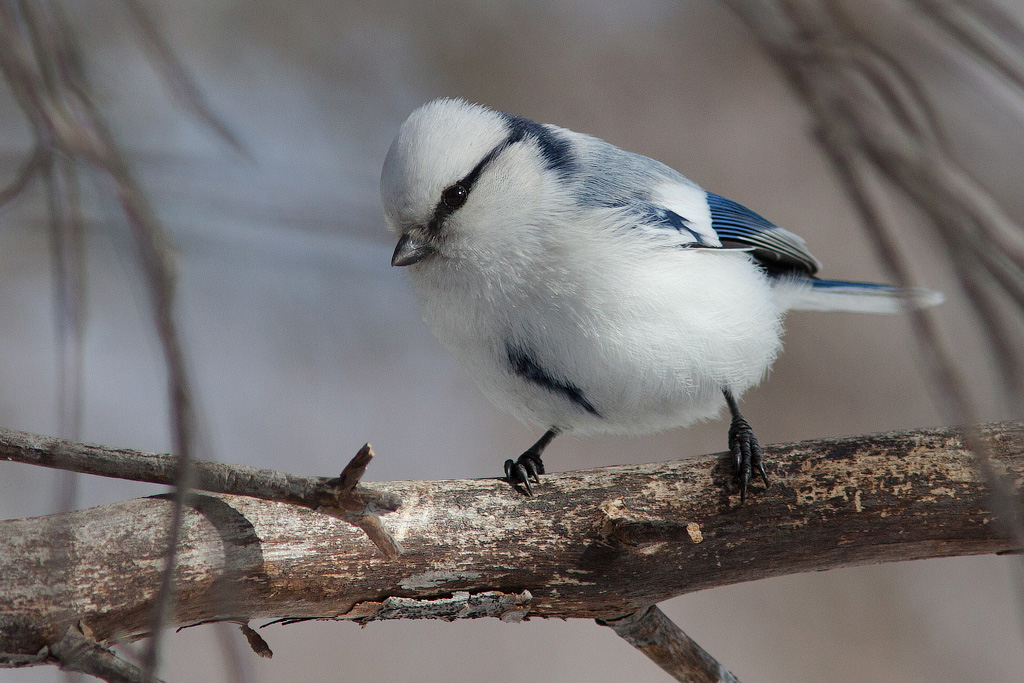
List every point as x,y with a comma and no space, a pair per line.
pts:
54,93
975,26
27,172
861,138
41,61
67,258
909,100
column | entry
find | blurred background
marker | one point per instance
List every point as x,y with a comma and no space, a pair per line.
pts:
304,343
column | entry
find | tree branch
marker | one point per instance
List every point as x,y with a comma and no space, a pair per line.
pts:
598,543
341,497
77,651
654,634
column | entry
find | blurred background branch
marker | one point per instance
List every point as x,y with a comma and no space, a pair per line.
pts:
43,67
874,122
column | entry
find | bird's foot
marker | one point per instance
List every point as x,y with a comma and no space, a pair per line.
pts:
519,472
529,465
746,454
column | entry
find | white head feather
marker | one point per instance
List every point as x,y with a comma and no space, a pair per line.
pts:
436,146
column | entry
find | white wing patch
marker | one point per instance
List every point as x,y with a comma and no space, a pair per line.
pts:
690,203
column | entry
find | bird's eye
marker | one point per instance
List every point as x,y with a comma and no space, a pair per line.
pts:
454,196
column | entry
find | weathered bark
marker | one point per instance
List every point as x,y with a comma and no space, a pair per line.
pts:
597,544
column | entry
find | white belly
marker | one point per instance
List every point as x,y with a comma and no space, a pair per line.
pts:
648,343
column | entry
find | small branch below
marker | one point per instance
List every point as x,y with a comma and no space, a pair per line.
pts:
77,651
653,633
255,640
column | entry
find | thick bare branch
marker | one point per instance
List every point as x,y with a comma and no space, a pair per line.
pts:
596,544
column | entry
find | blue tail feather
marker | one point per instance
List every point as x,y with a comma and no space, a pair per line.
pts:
852,297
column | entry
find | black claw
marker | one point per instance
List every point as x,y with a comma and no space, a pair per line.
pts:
533,464
759,463
529,465
523,477
741,452
746,451
510,466
519,472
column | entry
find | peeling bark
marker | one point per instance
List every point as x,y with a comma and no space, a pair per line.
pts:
598,543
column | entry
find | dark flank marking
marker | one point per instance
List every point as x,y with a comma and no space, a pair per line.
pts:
524,365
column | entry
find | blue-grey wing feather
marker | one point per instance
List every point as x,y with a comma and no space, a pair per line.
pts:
777,249
625,178
628,186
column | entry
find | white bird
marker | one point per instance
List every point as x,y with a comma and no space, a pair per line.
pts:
591,290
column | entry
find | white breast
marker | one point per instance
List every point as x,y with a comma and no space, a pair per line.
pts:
649,337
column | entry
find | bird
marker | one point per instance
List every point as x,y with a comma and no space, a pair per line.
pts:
590,290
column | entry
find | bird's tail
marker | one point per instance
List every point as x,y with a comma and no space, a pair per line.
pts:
809,294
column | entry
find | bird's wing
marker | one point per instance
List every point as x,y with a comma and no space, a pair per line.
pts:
777,249
667,205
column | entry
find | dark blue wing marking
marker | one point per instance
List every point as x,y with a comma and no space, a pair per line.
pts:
778,250
647,214
652,215
554,149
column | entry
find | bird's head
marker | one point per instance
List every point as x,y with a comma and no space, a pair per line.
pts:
462,181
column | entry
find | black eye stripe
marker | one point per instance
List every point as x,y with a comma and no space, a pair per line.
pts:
443,208
473,175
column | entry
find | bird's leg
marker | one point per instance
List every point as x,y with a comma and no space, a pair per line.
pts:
746,451
529,463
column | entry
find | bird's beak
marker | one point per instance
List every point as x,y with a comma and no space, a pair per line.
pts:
410,250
